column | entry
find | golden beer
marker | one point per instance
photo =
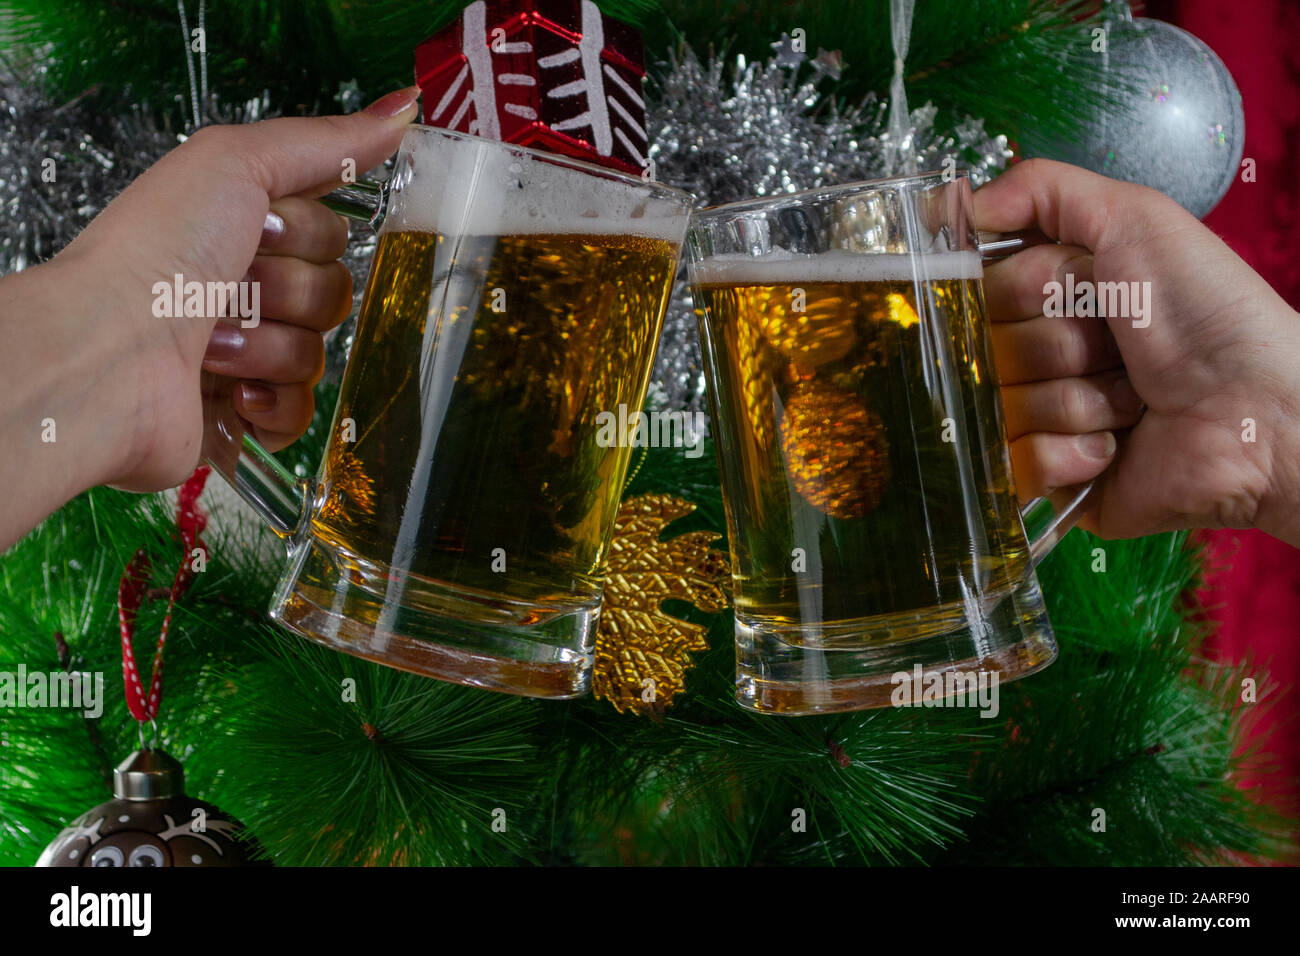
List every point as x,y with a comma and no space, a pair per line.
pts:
875,536
868,488
483,454
458,524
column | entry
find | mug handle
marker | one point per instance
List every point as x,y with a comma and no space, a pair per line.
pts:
1048,518
995,246
277,495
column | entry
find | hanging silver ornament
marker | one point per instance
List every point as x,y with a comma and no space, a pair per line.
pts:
1180,128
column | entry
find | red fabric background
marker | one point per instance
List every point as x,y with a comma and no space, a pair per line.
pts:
1254,594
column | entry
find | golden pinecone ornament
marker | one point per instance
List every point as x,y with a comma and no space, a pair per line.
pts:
642,654
836,451
350,485
819,333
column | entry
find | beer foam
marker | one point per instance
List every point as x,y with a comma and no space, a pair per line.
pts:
783,268
467,187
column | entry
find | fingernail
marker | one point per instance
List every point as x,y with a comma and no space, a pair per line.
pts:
1099,445
273,228
226,343
395,103
1123,398
257,398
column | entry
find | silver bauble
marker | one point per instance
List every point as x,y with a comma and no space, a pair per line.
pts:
1181,132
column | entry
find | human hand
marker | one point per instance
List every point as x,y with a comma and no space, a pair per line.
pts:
1221,351
231,203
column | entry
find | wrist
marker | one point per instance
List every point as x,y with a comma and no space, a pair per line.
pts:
64,421
1279,508
96,359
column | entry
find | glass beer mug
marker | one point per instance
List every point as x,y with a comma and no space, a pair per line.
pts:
872,517
459,523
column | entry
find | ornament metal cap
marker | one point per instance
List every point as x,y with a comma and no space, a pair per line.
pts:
148,775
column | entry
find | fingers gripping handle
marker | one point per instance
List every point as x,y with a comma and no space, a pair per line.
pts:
275,493
1047,519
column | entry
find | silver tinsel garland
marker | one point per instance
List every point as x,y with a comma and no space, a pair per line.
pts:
88,168
94,158
766,129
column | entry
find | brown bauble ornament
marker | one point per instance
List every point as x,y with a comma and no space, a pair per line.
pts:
150,822
836,451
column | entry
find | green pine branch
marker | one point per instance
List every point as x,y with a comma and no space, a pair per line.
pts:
409,770
63,578
341,761
300,52
1129,721
1025,66
125,52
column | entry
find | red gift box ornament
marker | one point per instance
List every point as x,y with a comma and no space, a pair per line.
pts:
557,75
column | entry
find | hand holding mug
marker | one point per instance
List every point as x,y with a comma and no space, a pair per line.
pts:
1215,362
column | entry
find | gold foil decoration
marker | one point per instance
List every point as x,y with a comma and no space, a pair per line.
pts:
348,483
836,451
642,654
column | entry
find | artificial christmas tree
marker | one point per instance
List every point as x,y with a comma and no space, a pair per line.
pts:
332,760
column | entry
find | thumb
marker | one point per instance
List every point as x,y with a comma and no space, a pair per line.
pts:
292,155
1074,206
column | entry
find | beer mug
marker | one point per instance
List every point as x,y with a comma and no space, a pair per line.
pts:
459,523
873,522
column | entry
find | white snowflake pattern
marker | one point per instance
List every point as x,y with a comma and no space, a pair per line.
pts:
225,828
80,829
